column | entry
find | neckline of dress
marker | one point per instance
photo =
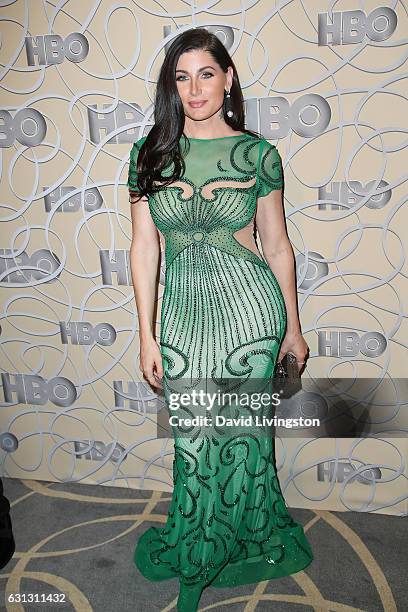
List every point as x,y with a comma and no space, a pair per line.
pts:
218,138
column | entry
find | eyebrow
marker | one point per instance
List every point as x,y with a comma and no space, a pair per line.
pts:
199,70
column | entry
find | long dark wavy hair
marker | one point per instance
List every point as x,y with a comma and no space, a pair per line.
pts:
162,144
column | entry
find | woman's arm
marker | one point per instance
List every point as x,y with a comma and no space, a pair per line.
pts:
278,252
144,260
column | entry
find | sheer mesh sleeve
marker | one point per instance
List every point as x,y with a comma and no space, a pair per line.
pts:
134,153
270,172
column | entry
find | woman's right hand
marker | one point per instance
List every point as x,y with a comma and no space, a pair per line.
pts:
151,362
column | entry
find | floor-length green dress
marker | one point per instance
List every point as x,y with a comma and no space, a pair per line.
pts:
223,315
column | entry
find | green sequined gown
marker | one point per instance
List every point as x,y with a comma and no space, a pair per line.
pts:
223,315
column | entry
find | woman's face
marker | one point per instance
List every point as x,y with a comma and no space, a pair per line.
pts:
200,79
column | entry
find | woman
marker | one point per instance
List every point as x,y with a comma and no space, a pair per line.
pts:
201,179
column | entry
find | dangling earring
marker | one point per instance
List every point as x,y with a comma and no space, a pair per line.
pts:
228,106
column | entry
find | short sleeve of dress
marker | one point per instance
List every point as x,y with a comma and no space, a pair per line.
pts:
134,153
270,171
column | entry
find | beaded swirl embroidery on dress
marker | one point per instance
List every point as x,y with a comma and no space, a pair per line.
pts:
223,315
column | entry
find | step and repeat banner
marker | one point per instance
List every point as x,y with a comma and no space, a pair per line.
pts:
328,88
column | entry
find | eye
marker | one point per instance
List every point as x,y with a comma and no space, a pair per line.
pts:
179,77
209,73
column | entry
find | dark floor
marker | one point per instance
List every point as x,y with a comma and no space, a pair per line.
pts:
79,539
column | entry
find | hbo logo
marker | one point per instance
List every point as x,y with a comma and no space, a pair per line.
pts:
122,116
308,116
99,451
52,49
92,199
84,333
350,27
22,268
345,471
349,344
343,196
223,32
28,127
34,389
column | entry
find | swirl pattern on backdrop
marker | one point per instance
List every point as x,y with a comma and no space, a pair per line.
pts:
325,86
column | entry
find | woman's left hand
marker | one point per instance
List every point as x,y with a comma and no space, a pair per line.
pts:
297,345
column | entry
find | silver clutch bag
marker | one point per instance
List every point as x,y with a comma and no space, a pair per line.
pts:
286,378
